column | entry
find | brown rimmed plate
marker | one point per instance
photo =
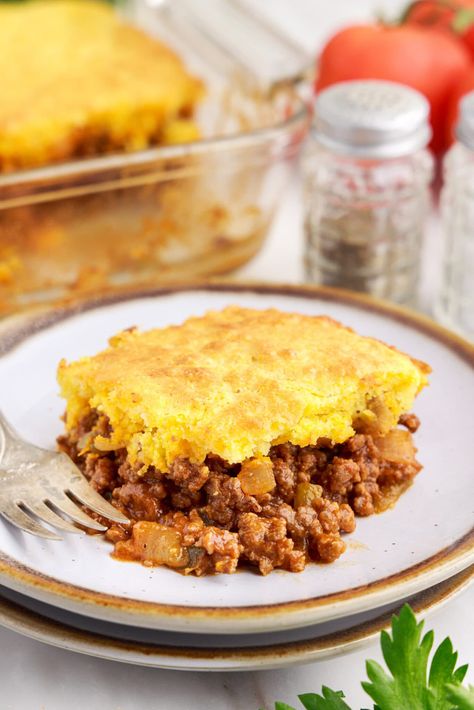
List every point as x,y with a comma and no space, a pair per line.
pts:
425,539
201,652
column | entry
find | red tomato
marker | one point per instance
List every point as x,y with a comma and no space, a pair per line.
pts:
453,16
464,85
435,14
468,38
427,61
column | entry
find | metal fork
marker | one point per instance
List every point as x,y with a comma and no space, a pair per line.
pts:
39,486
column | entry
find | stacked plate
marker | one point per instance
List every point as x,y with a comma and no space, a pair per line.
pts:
73,594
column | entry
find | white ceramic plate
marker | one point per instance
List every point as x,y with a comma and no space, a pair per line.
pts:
201,652
426,538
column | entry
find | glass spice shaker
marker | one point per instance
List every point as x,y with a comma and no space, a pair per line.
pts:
367,175
455,305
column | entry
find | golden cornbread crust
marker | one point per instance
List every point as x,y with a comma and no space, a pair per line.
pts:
77,80
236,382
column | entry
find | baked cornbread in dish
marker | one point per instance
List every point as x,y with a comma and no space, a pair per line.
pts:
78,81
242,435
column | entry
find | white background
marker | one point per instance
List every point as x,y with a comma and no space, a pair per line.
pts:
37,677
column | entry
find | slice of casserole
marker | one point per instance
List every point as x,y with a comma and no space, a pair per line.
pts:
77,81
242,435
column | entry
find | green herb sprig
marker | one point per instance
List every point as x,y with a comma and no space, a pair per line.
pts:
411,684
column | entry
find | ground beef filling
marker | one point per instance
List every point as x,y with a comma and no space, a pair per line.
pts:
278,511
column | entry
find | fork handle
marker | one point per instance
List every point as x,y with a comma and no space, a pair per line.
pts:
14,451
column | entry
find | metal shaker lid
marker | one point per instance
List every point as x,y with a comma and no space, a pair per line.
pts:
372,119
465,125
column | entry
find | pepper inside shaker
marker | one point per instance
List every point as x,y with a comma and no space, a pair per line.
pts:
367,175
455,304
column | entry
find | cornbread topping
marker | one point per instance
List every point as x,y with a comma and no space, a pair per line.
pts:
242,435
77,80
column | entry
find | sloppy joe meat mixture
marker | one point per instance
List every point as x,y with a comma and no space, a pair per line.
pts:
278,511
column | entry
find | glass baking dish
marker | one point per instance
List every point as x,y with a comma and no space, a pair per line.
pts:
161,215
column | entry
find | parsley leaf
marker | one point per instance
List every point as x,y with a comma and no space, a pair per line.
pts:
407,659
406,655
330,700
442,673
463,698
411,685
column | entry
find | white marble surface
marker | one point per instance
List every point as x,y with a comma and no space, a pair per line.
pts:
37,677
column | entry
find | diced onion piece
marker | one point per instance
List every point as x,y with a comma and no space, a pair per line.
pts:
396,446
101,443
256,476
306,493
384,415
376,420
154,543
84,441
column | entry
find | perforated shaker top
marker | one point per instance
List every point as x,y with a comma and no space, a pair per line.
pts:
372,119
